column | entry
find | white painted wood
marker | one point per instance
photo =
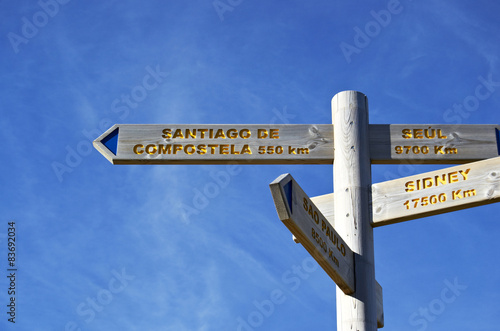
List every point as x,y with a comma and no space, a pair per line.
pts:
352,181
431,193
325,204
313,231
436,192
432,143
297,144
220,144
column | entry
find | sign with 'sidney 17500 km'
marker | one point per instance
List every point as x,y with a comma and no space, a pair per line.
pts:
436,192
431,193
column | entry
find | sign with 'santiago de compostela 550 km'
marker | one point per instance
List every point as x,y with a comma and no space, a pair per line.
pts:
216,144
292,143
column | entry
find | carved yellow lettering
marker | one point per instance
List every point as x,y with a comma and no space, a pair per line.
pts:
190,133
453,177
177,148
245,134
418,133
456,195
232,133
441,135
136,149
427,182
316,217
189,149
464,173
438,150
151,149
178,134
167,133
202,149
342,249
331,235
274,133
220,134
164,149
406,133
223,149
233,151
410,186
212,148
246,150
430,133
262,133
202,133
440,179
470,193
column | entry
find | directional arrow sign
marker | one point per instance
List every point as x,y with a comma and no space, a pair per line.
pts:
313,231
216,144
292,144
436,192
432,193
436,143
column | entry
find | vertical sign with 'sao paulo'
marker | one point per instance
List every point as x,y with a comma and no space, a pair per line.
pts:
313,231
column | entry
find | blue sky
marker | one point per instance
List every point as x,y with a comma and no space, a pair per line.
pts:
104,247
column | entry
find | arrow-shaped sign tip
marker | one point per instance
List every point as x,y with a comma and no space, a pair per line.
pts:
111,141
107,143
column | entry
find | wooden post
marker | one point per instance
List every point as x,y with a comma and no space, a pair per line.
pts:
352,182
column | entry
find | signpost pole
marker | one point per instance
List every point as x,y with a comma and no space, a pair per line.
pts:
352,182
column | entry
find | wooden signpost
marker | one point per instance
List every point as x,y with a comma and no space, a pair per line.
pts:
337,229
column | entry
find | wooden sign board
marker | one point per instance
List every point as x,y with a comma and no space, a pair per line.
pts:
436,192
432,193
292,144
217,144
436,143
313,231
